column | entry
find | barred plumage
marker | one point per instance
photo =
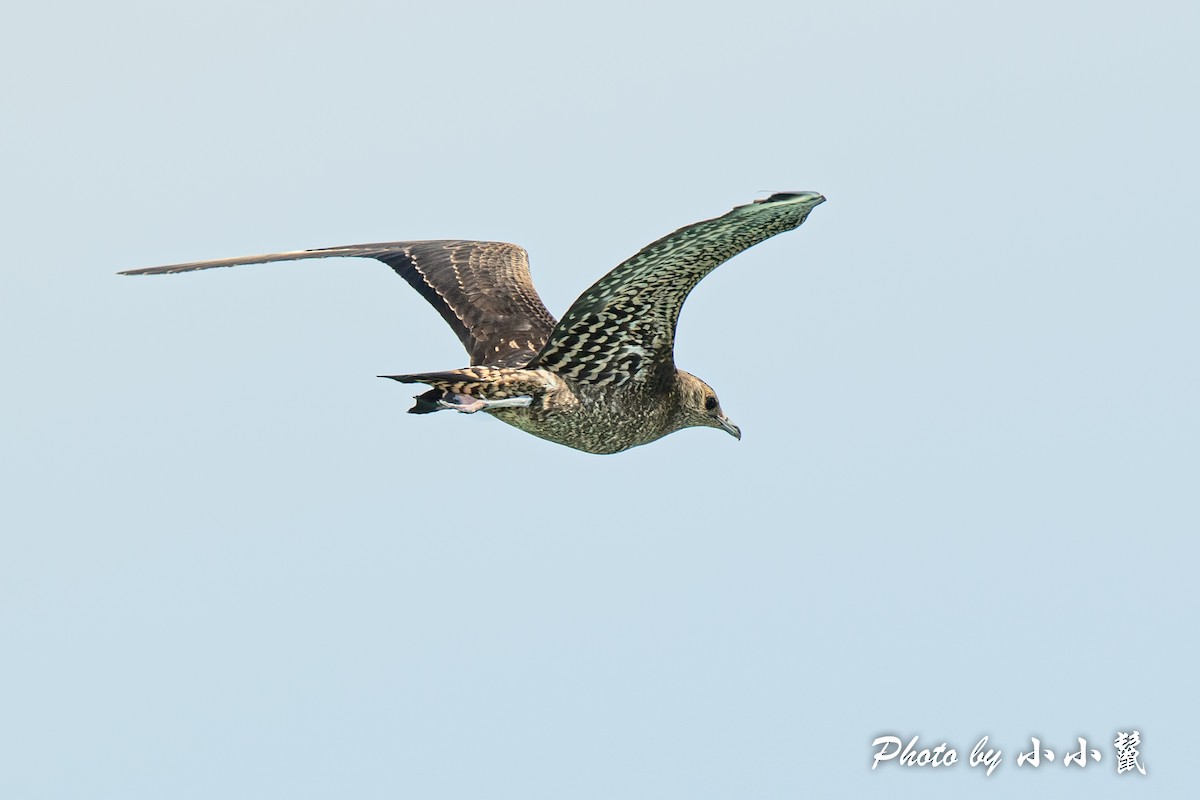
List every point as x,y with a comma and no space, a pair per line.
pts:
603,379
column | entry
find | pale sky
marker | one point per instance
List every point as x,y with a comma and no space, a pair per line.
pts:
965,502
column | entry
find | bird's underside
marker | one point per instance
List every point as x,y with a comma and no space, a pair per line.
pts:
602,379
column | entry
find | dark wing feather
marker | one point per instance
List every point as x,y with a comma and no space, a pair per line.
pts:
482,289
623,328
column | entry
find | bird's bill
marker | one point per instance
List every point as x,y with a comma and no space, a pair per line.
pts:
730,428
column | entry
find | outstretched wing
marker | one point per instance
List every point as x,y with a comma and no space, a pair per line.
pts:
482,289
623,328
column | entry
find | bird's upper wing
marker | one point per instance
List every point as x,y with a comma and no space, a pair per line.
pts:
623,328
482,289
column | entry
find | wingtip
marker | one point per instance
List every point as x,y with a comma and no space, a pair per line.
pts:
815,198
151,271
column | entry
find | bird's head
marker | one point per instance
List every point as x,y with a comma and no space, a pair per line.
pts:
699,406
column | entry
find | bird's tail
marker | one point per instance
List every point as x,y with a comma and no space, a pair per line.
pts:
483,383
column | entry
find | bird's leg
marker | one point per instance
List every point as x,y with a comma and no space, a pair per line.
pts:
466,404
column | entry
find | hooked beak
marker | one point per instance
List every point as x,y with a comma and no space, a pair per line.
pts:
730,428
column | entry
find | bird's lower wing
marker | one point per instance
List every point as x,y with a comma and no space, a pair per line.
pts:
623,327
482,289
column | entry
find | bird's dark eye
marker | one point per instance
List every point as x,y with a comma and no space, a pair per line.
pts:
710,403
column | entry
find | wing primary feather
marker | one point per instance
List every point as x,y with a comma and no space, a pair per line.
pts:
483,290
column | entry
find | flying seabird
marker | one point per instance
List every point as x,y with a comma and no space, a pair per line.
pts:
603,378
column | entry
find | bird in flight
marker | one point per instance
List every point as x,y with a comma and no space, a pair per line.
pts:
603,378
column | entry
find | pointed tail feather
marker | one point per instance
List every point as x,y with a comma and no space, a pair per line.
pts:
484,383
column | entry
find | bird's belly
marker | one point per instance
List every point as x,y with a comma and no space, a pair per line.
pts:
597,433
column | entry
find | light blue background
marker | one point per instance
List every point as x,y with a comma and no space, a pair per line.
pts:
966,498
